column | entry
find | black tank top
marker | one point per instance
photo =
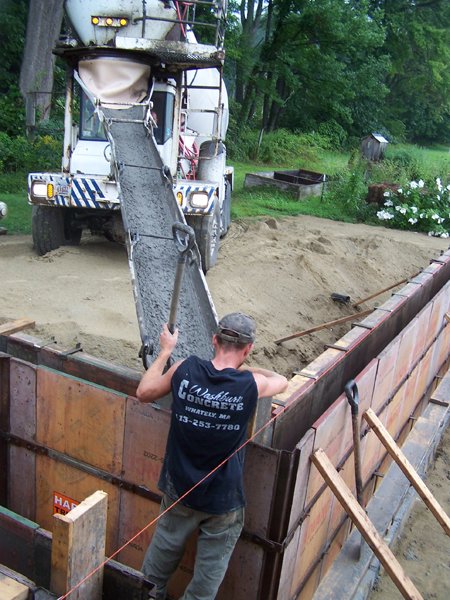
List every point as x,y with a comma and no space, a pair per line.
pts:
210,413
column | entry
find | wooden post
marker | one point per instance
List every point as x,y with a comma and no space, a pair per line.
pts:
78,549
388,442
365,526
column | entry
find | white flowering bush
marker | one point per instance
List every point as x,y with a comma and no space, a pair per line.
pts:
418,207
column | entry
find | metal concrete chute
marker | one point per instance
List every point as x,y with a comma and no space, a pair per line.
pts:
149,210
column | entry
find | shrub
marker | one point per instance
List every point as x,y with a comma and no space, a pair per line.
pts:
419,207
348,188
20,154
334,133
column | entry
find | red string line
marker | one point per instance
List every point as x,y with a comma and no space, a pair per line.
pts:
109,558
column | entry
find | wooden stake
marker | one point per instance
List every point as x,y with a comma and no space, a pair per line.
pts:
386,289
14,326
365,526
78,549
388,442
328,325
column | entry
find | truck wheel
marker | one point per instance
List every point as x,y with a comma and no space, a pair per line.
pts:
47,226
207,234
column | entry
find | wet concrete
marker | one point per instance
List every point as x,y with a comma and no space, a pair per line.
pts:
149,209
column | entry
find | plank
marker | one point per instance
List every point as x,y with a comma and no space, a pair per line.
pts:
14,326
365,526
11,589
327,325
406,467
78,549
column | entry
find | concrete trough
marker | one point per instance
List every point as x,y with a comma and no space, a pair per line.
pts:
300,182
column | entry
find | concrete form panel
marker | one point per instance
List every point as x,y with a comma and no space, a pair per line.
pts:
323,363
365,382
145,437
242,580
422,278
384,382
81,420
371,454
440,305
136,513
333,433
313,538
394,418
53,476
22,400
376,318
260,477
423,338
289,562
410,400
405,352
16,546
355,336
22,490
442,349
335,547
425,375
306,448
311,584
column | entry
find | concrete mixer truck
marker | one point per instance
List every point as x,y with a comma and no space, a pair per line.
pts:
122,53
144,159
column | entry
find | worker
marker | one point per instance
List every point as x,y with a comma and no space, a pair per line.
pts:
212,403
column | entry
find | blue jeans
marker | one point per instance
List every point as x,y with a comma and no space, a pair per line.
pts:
217,538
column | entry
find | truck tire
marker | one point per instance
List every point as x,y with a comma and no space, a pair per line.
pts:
47,227
207,234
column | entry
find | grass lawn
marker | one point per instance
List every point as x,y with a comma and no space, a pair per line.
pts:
19,213
253,202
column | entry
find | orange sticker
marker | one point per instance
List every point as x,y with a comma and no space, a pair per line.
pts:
63,504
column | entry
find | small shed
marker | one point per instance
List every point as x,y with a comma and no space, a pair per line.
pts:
373,146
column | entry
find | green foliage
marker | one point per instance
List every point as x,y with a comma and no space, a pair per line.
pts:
11,183
12,112
21,154
280,146
348,190
419,207
12,36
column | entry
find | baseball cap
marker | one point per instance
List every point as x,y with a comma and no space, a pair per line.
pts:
238,328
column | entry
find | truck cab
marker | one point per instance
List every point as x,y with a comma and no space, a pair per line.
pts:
185,109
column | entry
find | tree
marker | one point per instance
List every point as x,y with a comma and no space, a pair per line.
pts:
36,76
418,42
315,63
12,36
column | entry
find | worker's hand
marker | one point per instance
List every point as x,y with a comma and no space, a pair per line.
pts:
167,340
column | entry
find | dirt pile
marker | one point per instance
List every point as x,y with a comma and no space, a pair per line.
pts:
282,272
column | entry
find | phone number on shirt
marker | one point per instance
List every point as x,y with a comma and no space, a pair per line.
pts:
207,424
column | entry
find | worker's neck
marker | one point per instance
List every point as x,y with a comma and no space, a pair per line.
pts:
228,360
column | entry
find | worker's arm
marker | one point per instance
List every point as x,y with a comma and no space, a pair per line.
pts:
268,382
155,383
